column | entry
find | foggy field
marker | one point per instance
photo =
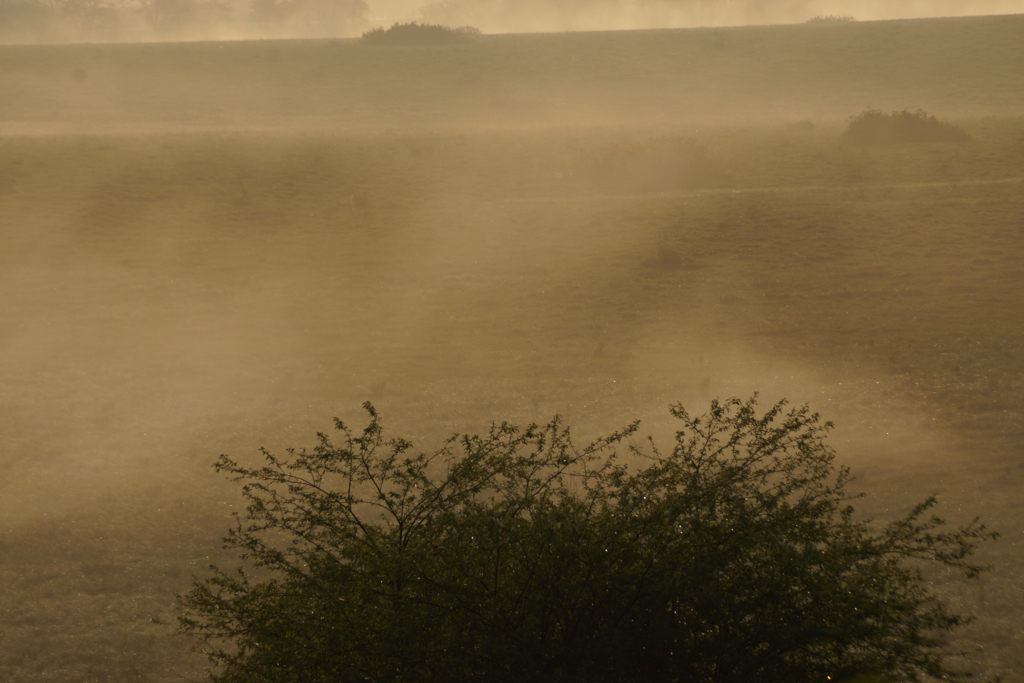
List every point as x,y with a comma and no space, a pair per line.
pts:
950,67
208,248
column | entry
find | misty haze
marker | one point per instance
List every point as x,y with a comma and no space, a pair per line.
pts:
224,224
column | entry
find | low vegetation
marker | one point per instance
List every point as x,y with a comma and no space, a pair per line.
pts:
517,556
414,33
873,127
831,19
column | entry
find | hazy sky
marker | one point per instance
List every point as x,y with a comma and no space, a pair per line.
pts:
177,20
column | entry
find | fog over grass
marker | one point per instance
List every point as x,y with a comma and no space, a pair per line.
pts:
213,247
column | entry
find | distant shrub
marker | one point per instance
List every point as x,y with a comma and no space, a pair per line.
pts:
830,19
873,127
418,34
654,164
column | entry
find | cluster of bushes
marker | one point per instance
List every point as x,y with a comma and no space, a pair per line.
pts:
414,33
831,19
652,165
874,127
518,556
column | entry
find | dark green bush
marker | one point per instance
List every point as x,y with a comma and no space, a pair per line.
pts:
653,164
873,127
418,34
518,557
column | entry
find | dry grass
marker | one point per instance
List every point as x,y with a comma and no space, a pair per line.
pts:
822,73
657,164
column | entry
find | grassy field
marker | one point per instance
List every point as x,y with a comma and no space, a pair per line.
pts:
210,248
950,67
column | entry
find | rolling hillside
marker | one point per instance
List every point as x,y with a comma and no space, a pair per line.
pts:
207,248
950,67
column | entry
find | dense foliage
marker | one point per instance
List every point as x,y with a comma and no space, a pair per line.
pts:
873,127
516,556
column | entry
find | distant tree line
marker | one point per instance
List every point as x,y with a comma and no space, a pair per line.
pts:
114,20
111,20
493,16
